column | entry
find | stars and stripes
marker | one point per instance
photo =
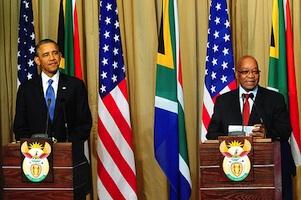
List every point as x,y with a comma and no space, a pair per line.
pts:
26,43
219,73
116,164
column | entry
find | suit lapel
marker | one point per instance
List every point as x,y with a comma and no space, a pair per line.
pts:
40,94
235,107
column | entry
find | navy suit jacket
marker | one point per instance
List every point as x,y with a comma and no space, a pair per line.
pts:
271,108
71,106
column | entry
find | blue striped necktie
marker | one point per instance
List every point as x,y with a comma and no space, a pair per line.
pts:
50,99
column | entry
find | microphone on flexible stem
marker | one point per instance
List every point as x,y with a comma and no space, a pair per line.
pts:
65,119
242,115
50,136
47,118
45,134
242,131
255,108
258,113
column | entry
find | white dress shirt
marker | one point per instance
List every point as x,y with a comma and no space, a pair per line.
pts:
55,83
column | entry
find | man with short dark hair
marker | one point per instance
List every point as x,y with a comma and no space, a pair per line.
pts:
59,99
266,112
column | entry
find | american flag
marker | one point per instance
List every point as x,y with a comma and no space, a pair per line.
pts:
116,164
219,73
26,43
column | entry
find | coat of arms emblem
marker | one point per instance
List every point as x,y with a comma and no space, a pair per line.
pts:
236,163
35,165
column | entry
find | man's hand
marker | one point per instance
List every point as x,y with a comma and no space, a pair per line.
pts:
258,131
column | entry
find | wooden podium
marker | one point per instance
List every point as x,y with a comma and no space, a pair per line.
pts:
266,180
65,181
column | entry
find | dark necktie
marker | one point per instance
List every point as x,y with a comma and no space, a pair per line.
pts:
50,99
246,110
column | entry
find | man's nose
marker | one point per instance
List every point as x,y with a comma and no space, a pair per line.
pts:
251,74
52,56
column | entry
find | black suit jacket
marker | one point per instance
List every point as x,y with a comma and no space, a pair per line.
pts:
71,106
31,110
270,106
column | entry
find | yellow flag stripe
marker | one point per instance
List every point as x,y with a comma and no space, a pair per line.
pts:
274,50
166,59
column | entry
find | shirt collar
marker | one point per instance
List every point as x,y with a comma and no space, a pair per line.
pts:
243,91
55,77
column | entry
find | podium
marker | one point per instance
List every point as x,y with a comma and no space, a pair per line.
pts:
66,175
265,182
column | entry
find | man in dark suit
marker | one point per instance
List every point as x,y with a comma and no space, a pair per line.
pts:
70,119
268,115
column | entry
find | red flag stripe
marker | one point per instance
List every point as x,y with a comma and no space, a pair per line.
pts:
108,182
114,172
118,94
123,88
120,121
292,90
114,151
206,117
232,85
76,50
207,108
123,126
112,128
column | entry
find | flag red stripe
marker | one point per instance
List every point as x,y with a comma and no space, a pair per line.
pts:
114,151
115,147
123,88
180,79
76,50
108,182
122,124
206,117
205,114
233,85
292,90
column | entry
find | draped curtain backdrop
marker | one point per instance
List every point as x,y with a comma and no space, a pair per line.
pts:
139,20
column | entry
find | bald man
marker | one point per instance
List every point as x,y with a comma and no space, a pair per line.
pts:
268,115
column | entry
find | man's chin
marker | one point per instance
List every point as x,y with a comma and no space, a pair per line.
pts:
249,88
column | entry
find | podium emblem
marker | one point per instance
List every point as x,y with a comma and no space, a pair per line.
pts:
35,165
236,163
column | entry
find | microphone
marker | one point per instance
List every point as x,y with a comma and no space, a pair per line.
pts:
47,123
63,100
258,114
251,95
47,117
45,134
244,99
242,131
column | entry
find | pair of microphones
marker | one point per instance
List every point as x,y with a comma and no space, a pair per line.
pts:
45,134
47,130
251,96
63,103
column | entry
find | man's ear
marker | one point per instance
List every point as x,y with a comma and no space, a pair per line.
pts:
37,60
236,75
